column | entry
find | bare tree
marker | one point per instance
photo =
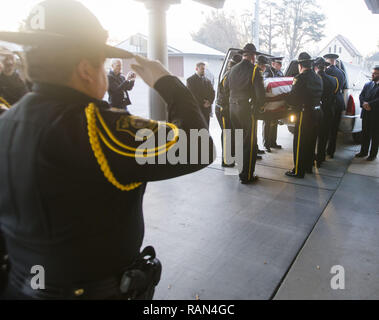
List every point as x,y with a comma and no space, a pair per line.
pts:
219,31
299,23
269,16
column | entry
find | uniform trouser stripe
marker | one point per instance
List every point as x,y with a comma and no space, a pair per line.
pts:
298,143
224,139
251,145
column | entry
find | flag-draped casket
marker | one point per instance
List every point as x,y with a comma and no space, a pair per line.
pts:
276,89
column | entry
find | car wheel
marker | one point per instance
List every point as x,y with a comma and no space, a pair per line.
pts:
357,137
291,129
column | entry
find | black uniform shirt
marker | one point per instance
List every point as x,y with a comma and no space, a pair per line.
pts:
245,82
339,74
273,73
57,208
330,89
223,92
12,88
306,90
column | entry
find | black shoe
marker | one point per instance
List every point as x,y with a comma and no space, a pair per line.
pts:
252,179
260,151
224,165
292,174
331,156
360,155
370,158
259,157
318,164
276,146
310,171
268,149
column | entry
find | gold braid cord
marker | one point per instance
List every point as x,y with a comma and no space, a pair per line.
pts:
5,102
92,113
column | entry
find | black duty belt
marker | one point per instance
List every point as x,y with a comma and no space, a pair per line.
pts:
136,282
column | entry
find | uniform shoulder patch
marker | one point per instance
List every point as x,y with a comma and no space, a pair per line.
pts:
124,133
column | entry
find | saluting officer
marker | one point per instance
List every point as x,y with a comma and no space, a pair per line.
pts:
223,113
70,183
328,100
339,105
270,127
305,97
247,96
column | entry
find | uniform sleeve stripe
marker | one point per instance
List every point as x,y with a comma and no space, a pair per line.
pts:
338,85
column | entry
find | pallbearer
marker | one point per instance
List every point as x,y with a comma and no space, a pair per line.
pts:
305,97
223,114
247,96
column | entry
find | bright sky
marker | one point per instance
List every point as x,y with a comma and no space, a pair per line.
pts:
123,18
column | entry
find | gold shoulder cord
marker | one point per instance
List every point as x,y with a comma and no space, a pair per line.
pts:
5,102
94,133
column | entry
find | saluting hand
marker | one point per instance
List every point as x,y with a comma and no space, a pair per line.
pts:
150,71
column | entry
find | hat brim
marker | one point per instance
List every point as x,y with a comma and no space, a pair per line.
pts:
252,52
39,38
331,56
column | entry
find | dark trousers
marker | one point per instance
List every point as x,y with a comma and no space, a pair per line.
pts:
323,134
304,140
223,118
370,133
206,115
243,118
335,123
270,133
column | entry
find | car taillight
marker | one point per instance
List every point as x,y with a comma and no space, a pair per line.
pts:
350,109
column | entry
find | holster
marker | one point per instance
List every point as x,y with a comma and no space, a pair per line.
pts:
139,281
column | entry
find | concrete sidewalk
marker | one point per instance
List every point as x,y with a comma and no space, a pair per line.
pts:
279,238
218,239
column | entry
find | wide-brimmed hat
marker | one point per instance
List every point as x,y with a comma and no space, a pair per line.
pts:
250,48
320,62
236,58
304,57
263,60
331,56
68,22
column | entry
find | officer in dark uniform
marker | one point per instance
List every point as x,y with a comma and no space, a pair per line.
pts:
339,105
305,97
270,127
328,101
263,64
73,171
247,97
223,113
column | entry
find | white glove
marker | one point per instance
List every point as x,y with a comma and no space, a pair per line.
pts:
150,71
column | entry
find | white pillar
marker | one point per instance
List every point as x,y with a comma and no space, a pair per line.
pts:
157,50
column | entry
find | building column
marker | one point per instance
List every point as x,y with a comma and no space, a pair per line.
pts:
157,50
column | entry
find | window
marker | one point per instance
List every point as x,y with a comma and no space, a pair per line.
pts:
330,49
340,50
335,48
